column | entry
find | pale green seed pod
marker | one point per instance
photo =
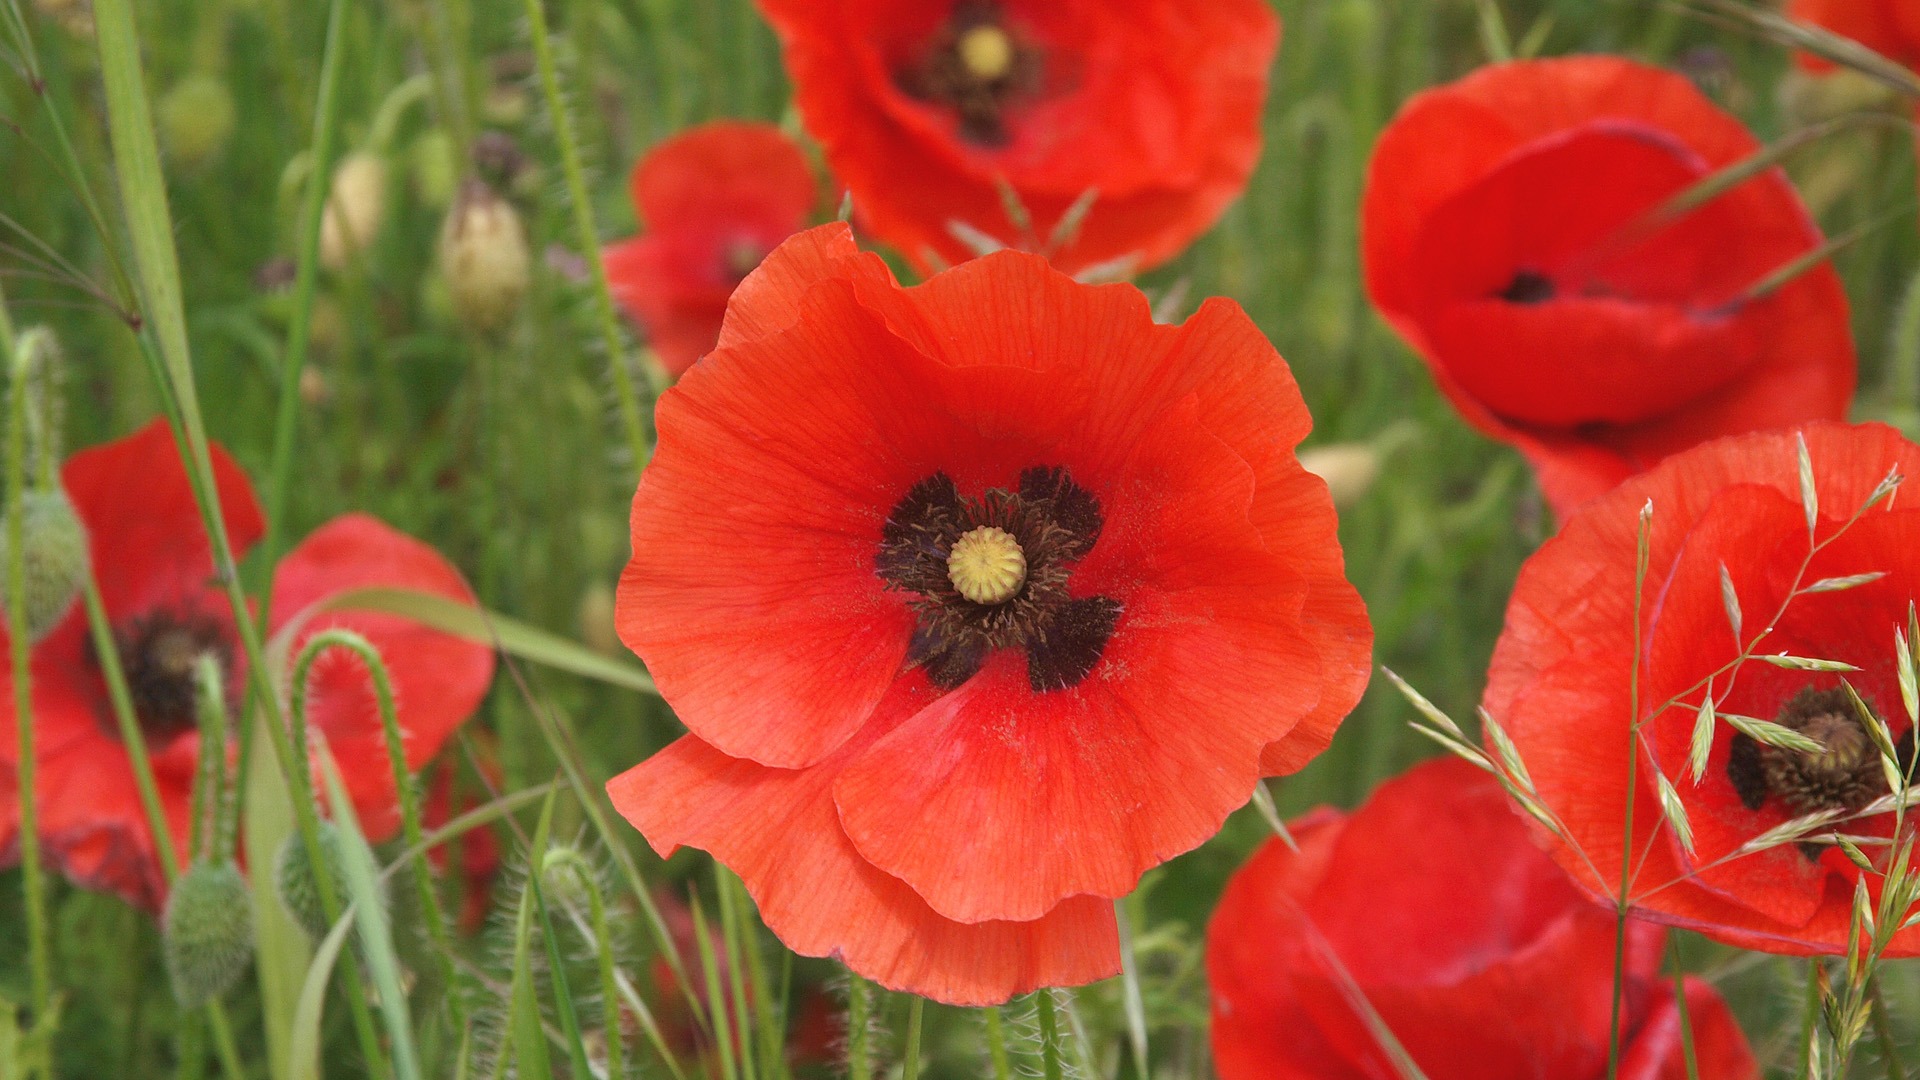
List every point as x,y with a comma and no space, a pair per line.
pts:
54,556
356,206
484,257
196,119
299,893
207,933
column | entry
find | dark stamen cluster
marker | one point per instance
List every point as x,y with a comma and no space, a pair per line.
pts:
1056,523
158,652
1529,287
943,74
1846,776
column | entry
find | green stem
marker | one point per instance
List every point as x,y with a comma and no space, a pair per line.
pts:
39,960
1883,1031
1641,557
1680,1006
128,724
1810,1018
997,1045
587,234
910,1062
1049,1035
859,1023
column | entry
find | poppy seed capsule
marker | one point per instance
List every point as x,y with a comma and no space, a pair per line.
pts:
196,119
207,933
483,254
356,204
53,556
987,52
987,566
300,891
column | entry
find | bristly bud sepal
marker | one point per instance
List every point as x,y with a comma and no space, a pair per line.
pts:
54,559
207,933
298,889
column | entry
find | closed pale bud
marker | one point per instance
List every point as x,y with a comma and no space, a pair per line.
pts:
196,119
300,891
356,204
434,162
53,555
597,628
483,254
1348,468
207,933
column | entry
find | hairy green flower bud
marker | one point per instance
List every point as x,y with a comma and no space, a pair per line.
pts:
300,892
196,119
483,253
54,555
565,874
207,932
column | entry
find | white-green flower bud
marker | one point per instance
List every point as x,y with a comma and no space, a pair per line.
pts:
196,119
207,933
53,553
356,205
484,256
300,892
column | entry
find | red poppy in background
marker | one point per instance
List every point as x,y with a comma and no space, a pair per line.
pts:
1476,951
933,111
1563,668
715,198
1507,239
478,849
979,599
155,569
1888,27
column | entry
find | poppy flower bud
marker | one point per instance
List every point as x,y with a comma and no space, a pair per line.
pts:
355,206
597,628
196,119
207,933
565,874
434,165
300,891
1348,468
483,253
53,552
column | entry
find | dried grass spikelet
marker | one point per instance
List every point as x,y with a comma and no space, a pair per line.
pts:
484,257
356,205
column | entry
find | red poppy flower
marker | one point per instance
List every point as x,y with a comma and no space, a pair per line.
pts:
478,849
1476,951
155,568
931,111
992,593
716,198
1563,669
1888,27
1504,240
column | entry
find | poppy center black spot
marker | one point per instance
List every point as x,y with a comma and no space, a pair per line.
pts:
976,65
1845,776
158,652
1529,287
1016,551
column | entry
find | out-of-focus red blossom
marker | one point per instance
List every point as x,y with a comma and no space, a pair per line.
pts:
715,198
1888,27
479,848
1476,951
154,564
935,111
1562,671
1506,240
960,784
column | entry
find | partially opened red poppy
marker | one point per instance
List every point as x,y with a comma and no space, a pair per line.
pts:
1888,27
1477,953
935,112
1562,680
154,564
991,593
1508,238
715,198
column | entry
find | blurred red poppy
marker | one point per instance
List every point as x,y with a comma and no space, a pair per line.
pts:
1507,238
1888,27
715,198
934,111
155,568
1563,671
478,849
1473,948
991,592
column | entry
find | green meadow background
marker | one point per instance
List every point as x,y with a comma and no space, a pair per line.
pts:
507,454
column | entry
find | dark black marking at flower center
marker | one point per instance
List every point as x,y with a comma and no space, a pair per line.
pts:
1846,776
1051,523
976,65
1529,287
158,652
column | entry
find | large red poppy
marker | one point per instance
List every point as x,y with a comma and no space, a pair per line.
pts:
1563,670
1504,239
944,790
1474,949
932,111
716,198
155,569
1888,27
